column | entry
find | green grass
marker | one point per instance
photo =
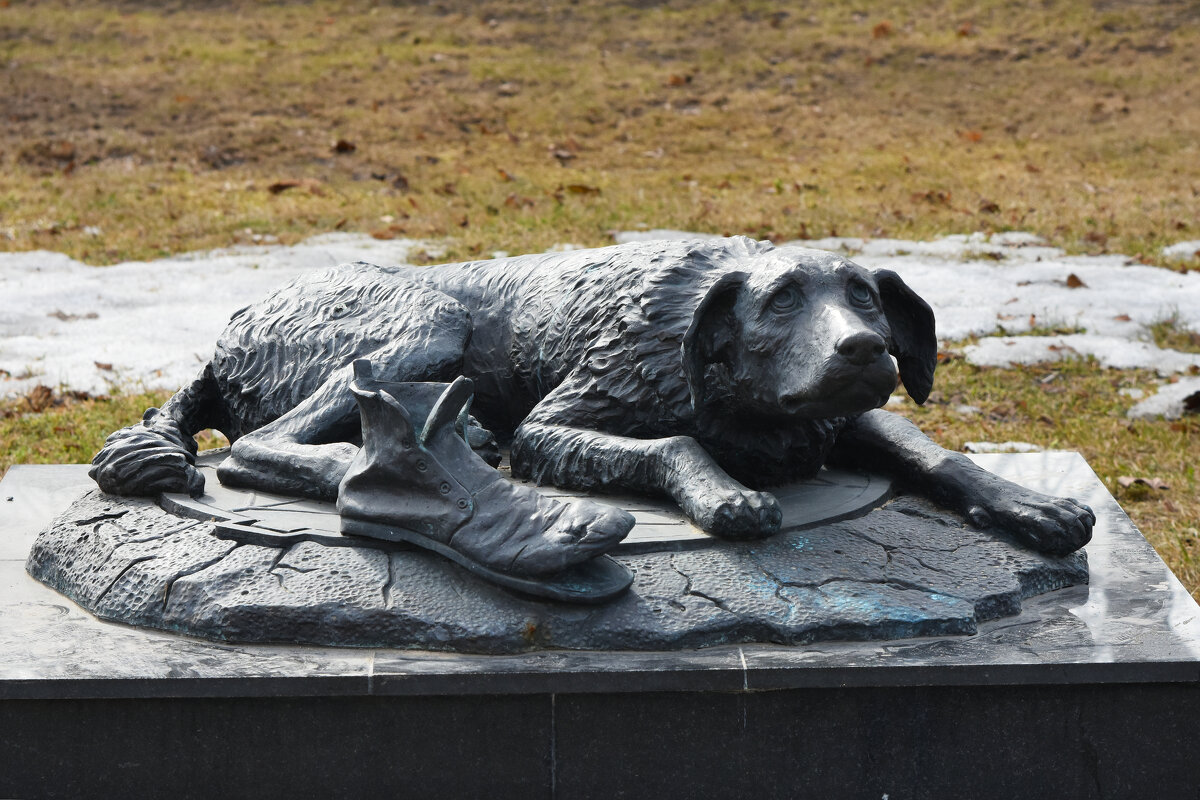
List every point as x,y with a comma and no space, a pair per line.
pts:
1173,334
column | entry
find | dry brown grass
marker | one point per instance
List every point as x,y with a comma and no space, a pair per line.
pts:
514,125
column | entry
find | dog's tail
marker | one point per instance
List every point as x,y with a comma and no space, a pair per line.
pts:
158,454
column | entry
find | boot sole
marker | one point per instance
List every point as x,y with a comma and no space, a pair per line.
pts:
594,581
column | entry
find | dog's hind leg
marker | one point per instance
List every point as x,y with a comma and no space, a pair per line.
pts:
558,444
298,454
307,451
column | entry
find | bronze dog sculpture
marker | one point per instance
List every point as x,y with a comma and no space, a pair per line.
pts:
708,371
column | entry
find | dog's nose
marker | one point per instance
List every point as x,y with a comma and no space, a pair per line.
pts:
861,348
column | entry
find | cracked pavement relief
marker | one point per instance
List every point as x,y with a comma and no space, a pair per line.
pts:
903,570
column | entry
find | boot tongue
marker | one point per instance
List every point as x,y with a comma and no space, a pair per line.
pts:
442,438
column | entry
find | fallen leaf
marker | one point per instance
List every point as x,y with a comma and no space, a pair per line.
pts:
103,366
517,201
579,188
1154,483
65,317
344,146
562,155
966,29
504,175
282,186
1033,168
972,135
1123,318
882,30
988,207
933,196
40,397
507,89
679,80
1075,282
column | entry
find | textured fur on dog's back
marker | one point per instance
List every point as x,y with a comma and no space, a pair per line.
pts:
278,352
621,312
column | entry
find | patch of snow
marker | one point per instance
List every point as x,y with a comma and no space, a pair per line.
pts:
1000,447
1109,351
1017,239
657,234
145,324
1169,402
1183,250
1131,393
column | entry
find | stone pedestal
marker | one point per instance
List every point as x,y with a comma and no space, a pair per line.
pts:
1090,691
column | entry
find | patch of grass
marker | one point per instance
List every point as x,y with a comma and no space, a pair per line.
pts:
1075,405
1050,329
136,130
1170,333
69,430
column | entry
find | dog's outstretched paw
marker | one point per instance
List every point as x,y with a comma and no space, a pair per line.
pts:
1053,525
737,514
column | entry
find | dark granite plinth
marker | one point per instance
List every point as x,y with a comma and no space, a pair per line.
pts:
1091,691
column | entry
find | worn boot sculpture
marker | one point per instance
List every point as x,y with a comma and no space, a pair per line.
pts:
430,489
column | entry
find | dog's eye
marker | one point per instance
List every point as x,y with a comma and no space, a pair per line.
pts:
860,295
785,299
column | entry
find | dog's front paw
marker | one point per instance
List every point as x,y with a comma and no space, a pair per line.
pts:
738,514
1053,525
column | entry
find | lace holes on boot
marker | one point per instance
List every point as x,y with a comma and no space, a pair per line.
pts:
444,488
462,503
421,465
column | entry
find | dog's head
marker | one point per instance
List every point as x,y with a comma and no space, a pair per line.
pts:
795,332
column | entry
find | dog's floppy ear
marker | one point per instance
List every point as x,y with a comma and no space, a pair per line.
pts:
710,332
914,341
